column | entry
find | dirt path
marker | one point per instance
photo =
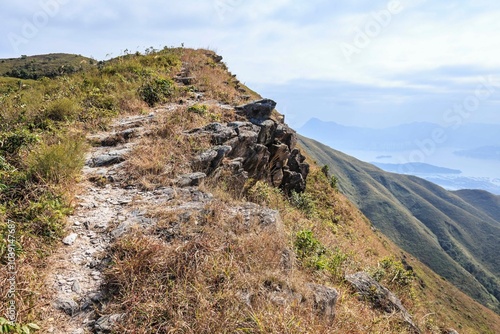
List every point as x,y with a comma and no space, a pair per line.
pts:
103,213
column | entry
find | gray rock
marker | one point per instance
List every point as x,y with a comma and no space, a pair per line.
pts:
106,323
191,180
256,161
108,159
210,160
293,181
286,136
240,145
379,296
185,80
260,149
122,229
267,132
325,299
67,305
204,160
450,331
257,216
78,331
76,287
70,239
257,110
220,133
296,163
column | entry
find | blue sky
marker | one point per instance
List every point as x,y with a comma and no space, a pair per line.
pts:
371,63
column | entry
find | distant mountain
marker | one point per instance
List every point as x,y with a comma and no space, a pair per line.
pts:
457,234
415,167
485,152
455,182
401,137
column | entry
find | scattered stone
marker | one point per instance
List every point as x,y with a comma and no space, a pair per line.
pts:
123,228
191,180
106,323
78,331
67,305
185,80
379,296
108,159
253,213
70,239
325,299
450,331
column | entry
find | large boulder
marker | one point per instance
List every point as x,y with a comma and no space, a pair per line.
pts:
379,296
257,110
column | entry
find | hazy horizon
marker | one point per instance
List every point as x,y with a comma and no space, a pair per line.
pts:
357,63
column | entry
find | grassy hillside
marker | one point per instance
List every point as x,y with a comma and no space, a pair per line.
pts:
458,239
219,272
50,65
488,203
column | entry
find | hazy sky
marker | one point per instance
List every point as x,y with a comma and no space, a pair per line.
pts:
363,62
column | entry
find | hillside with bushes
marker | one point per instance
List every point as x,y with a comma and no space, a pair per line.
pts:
156,193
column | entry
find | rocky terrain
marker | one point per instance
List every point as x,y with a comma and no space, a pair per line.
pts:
108,207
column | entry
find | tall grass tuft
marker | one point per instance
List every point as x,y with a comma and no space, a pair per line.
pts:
59,162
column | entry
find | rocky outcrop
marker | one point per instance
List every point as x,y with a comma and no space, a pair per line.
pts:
260,147
325,299
379,296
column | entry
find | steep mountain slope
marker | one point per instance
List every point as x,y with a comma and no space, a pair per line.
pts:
488,203
457,238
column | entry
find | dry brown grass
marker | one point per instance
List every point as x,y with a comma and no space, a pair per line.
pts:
213,78
166,151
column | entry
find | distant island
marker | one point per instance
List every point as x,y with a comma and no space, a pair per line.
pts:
415,168
484,152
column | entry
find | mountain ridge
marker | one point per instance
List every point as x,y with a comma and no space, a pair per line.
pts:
422,218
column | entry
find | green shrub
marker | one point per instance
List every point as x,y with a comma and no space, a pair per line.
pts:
303,202
45,216
261,192
13,141
58,162
394,271
334,182
8,327
310,250
199,109
307,245
314,255
62,110
156,91
325,170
